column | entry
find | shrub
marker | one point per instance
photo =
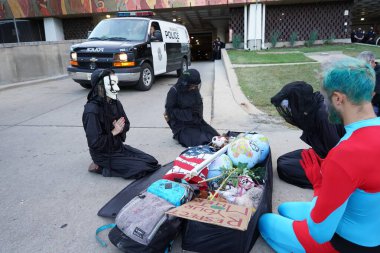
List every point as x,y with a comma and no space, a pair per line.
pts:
275,35
330,40
236,40
293,38
312,38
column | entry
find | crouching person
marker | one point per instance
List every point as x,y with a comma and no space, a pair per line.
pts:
184,111
343,215
106,124
300,106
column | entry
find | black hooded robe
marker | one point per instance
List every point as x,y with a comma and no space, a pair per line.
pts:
376,97
308,112
108,151
185,111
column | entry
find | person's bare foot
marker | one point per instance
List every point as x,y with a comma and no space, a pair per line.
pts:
94,168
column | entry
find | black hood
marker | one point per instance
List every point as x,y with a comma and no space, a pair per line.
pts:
302,103
96,80
187,78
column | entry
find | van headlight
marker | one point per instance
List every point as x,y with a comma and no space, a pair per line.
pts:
73,56
121,57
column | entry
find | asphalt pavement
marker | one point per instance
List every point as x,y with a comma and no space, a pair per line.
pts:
49,200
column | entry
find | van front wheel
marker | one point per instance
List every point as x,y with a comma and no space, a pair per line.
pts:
183,67
85,85
146,78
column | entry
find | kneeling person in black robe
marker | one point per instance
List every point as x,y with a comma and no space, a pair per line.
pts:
106,124
184,111
305,109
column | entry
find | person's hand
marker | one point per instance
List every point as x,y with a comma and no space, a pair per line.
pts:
311,163
118,126
166,117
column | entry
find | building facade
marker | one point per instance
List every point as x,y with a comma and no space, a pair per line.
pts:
251,23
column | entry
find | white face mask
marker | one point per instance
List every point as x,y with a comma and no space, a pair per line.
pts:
111,87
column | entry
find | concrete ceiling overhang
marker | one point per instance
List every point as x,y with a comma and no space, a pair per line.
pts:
203,19
369,10
197,19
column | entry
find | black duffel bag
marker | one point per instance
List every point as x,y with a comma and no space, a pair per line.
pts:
206,238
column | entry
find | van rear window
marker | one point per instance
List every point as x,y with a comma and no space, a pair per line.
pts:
120,30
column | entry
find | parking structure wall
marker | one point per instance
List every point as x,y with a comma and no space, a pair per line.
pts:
34,60
327,19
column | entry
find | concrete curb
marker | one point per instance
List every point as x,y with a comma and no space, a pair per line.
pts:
237,94
30,82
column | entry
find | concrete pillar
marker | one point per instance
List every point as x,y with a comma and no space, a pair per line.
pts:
245,40
53,29
255,20
263,27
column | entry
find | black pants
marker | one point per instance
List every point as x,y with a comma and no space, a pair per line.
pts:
290,170
216,54
196,135
130,163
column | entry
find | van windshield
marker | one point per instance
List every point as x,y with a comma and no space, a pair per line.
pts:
120,30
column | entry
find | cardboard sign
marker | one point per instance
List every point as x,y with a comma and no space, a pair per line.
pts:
213,212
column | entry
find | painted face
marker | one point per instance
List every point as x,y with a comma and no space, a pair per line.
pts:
334,116
111,87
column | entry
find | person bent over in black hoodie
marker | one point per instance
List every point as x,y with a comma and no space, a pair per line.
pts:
301,107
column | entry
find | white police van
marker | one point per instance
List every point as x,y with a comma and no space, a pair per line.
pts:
125,45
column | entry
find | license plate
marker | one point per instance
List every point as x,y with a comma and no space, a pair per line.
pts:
89,76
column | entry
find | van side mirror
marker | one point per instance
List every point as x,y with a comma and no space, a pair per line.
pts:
88,33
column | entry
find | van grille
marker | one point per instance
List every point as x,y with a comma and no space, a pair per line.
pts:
102,60
96,55
102,65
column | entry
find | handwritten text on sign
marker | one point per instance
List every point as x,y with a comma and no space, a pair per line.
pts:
213,212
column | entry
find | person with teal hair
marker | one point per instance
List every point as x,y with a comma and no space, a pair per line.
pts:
343,214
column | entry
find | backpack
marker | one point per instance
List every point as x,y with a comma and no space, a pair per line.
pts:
142,224
173,192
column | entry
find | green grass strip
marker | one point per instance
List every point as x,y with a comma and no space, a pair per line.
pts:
263,57
259,84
